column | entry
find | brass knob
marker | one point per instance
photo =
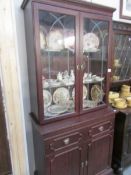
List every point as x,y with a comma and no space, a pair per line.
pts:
101,128
82,164
66,141
78,67
82,66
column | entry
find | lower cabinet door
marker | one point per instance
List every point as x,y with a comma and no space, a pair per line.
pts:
65,163
99,155
128,150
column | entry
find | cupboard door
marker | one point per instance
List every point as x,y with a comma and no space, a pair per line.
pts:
57,57
127,144
99,155
121,61
94,60
66,163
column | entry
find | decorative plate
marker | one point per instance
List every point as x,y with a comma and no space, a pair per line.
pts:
47,98
90,42
85,91
89,104
97,93
61,96
57,109
70,42
55,40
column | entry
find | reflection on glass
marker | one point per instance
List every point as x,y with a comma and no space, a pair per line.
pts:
122,61
57,41
95,55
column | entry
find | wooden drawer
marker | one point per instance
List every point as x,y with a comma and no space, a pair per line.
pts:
101,128
63,142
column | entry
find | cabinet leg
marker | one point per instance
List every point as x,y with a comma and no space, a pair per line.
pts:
118,170
36,172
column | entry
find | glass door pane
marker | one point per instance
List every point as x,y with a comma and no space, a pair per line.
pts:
122,60
94,62
57,42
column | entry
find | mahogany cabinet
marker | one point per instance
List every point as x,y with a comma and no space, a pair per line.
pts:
83,148
121,62
122,141
69,63
121,75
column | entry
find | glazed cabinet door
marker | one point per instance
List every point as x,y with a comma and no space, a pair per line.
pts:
94,53
56,30
99,155
68,162
121,60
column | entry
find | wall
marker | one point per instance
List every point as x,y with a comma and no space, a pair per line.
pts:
11,88
115,4
14,75
24,85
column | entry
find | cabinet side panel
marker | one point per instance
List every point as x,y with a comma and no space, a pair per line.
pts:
39,152
31,58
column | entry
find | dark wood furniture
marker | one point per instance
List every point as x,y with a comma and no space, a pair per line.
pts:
122,51
5,162
69,60
121,62
122,141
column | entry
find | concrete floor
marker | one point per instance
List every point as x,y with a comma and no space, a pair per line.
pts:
127,171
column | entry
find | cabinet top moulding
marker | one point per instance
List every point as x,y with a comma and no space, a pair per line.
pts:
91,7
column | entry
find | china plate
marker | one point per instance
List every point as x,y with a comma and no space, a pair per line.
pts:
55,40
61,96
90,42
47,98
89,104
85,91
97,93
57,109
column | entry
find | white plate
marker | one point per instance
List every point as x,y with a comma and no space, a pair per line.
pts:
55,40
57,109
61,96
47,98
85,91
90,42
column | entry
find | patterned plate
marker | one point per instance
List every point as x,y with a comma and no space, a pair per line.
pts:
61,96
57,109
90,41
55,40
97,93
47,98
85,91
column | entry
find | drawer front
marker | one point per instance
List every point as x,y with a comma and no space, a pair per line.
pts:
101,128
63,142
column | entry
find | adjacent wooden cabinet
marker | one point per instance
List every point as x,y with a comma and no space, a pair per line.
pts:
69,63
122,141
121,75
121,63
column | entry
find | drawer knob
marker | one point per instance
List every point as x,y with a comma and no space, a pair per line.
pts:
67,141
101,128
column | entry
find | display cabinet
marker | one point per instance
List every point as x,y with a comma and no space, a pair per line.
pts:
122,141
122,51
69,63
70,59
121,85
